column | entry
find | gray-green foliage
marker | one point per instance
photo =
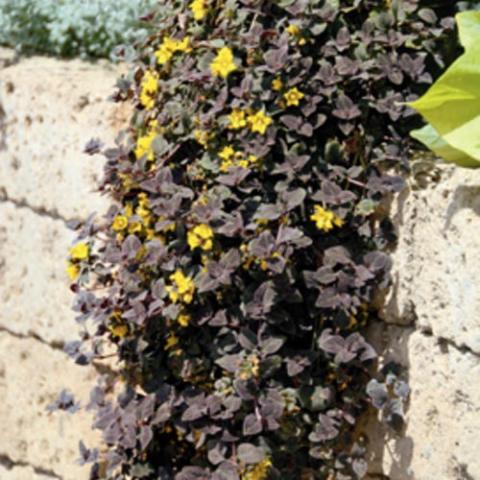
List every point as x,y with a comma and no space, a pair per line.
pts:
86,28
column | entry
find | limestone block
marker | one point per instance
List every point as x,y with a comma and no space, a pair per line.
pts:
441,439
437,262
31,376
21,473
50,110
34,292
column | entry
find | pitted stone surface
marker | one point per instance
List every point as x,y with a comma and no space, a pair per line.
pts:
441,439
34,288
31,376
50,110
22,473
437,262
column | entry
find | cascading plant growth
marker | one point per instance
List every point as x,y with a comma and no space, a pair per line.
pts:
234,273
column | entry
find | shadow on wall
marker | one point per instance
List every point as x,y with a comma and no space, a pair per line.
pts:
390,453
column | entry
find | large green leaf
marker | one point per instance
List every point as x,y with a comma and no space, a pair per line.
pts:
468,27
452,104
435,142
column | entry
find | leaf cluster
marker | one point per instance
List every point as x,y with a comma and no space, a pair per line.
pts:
235,272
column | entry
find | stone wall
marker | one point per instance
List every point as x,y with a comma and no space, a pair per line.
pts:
432,316
48,111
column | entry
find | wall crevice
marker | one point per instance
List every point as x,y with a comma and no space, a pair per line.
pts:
40,211
9,464
55,344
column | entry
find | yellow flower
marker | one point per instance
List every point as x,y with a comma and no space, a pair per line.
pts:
227,153
237,119
127,181
80,251
201,236
277,84
143,199
199,9
135,227
225,165
149,89
293,97
223,63
293,29
183,45
201,136
325,220
259,471
172,341
72,270
120,223
128,210
144,146
184,320
163,55
168,48
183,288
259,122
119,330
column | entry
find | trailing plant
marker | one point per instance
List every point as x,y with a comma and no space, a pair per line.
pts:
452,104
85,28
235,271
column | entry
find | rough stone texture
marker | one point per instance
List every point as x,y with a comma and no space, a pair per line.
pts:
31,376
34,291
21,473
443,418
435,304
437,262
50,110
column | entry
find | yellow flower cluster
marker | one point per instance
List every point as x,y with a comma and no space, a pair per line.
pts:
259,471
183,288
293,97
78,252
144,142
325,220
231,158
201,236
149,89
257,122
199,9
169,47
123,223
223,64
